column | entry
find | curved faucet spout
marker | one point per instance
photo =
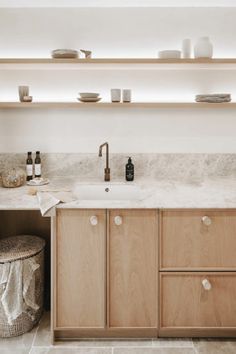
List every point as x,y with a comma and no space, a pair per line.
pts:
107,169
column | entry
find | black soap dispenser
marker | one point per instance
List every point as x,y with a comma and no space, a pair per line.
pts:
129,170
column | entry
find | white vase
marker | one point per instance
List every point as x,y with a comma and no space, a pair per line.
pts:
203,48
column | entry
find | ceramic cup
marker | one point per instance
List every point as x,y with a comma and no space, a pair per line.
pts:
186,48
115,95
23,91
126,95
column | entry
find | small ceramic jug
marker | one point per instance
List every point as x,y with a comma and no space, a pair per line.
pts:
203,48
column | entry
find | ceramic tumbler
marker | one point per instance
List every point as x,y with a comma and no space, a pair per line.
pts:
126,95
115,95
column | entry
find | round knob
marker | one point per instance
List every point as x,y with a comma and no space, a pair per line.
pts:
93,220
118,220
206,284
206,220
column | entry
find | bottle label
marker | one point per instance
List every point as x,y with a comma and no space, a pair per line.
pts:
29,170
37,169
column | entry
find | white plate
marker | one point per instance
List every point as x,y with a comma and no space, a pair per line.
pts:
169,54
88,94
38,182
89,99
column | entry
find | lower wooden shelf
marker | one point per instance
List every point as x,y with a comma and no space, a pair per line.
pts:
59,105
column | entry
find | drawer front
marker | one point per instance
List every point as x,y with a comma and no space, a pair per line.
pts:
198,239
198,300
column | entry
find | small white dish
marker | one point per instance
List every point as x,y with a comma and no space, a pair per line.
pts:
38,181
89,99
169,54
89,94
27,99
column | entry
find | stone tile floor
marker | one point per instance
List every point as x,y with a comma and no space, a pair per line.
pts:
38,342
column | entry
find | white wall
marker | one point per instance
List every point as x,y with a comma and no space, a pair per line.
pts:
116,32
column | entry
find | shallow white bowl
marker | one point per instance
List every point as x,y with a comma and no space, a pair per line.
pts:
169,54
89,94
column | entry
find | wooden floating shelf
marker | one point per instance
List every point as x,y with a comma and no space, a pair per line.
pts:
77,105
116,61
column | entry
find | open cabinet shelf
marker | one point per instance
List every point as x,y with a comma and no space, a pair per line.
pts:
116,63
77,105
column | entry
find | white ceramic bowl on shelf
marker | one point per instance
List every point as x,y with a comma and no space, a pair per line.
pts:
169,54
89,94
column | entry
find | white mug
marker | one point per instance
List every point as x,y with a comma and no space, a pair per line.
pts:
23,91
126,95
115,95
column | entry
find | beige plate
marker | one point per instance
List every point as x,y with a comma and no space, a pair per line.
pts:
89,99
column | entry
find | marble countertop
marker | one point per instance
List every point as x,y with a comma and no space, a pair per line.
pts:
212,193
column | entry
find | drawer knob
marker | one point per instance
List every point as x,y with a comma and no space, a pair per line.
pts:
206,284
93,220
118,220
206,220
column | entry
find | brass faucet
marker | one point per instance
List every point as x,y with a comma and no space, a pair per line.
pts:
107,169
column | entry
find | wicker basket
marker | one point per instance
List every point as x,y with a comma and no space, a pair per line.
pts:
20,248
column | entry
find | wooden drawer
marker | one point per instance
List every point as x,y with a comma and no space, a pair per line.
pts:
187,242
186,304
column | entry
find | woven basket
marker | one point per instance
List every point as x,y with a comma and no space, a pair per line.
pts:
19,248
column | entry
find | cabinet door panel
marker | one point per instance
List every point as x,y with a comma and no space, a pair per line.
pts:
133,269
80,269
188,242
185,303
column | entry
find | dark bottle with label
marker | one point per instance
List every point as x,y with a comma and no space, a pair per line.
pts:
37,165
29,166
129,170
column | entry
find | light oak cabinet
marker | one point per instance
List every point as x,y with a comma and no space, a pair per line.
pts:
132,269
197,273
198,239
105,273
80,269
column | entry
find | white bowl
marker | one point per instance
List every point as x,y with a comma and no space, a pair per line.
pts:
169,54
88,94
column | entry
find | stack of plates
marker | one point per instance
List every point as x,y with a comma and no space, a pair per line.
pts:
89,97
169,54
65,54
214,98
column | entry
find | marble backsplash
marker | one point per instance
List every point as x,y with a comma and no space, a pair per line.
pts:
180,167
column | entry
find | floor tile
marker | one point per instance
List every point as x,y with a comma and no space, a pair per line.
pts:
154,351
43,335
106,343
214,346
23,342
14,351
173,342
53,350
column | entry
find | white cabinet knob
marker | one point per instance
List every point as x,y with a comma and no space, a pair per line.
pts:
206,284
93,220
118,220
206,220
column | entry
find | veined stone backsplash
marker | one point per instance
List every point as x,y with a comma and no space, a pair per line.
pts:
180,167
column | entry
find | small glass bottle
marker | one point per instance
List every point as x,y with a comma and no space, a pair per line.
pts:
37,165
29,166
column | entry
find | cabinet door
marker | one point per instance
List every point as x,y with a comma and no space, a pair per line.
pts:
198,239
80,264
132,269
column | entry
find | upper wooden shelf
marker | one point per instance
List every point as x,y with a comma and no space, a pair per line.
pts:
116,61
78,105
121,63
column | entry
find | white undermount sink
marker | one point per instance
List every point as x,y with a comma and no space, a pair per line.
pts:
109,191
